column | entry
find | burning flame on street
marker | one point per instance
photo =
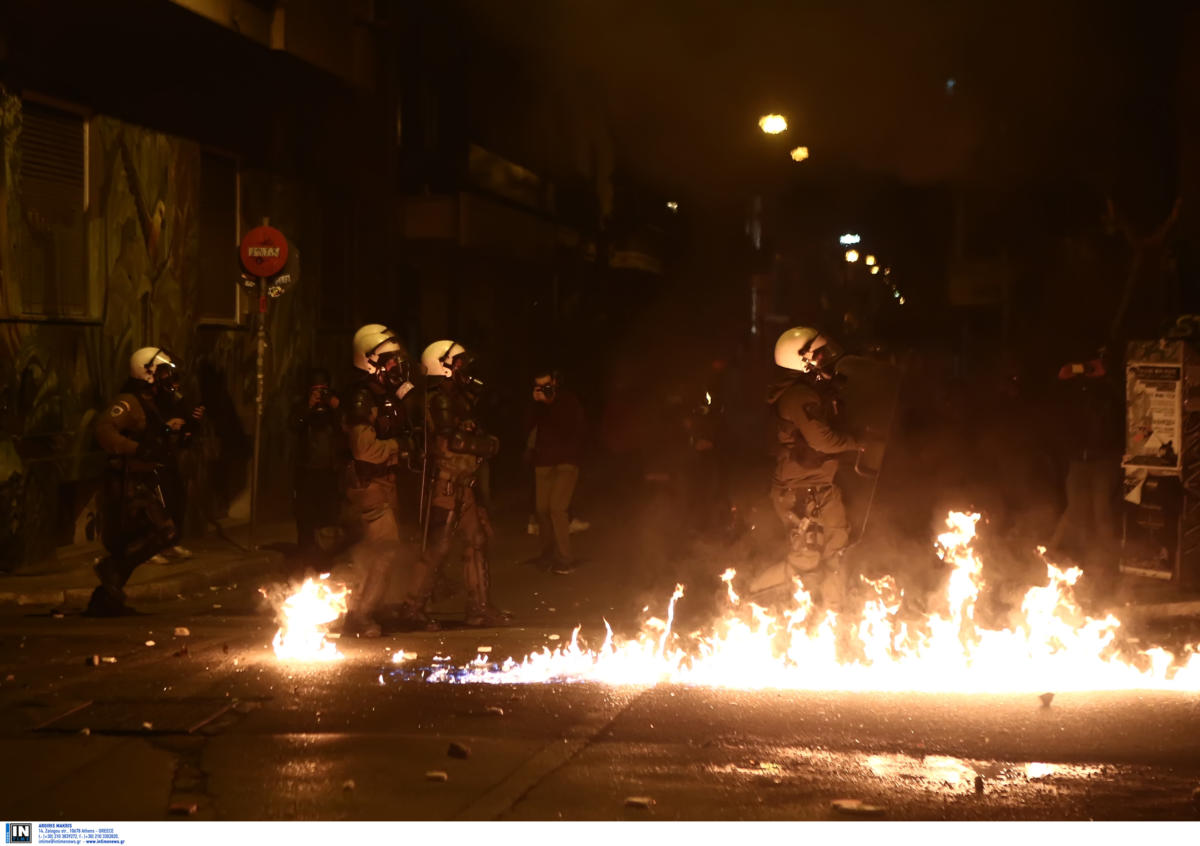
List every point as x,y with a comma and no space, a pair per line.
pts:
1053,647
305,617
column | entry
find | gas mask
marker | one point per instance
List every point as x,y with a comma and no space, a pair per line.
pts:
395,377
166,381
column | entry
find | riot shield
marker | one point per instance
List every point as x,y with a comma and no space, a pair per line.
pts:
870,395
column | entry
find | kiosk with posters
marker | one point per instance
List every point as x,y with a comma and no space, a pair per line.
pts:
1161,511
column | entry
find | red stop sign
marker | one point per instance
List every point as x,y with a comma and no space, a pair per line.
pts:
264,251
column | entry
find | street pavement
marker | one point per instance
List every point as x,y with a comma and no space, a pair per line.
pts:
208,724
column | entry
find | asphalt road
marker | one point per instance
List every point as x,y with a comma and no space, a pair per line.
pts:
225,731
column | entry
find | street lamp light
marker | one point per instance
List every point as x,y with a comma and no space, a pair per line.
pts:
874,270
772,124
869,261
799,154
849,238
851,256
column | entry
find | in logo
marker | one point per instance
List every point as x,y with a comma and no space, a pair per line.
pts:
18,833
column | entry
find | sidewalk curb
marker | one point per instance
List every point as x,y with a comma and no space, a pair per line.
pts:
1162,610
229,572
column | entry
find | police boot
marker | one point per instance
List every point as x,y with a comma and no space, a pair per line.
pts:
411,617
108,600
480,612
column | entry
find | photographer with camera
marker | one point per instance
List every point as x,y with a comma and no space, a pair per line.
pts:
320,457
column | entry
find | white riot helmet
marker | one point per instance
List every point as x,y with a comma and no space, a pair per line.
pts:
439,356
805,349
152,364
372,353
369,329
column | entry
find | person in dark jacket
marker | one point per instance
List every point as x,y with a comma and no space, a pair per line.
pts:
555,429
321,455
1091,408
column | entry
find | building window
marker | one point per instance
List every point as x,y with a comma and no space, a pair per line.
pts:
52,276
219,294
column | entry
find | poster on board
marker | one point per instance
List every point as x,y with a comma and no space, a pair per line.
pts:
1154,415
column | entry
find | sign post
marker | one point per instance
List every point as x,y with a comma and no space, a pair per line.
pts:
264,253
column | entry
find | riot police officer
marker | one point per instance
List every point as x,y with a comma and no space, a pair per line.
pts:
380,440
810,436
134,522
457,450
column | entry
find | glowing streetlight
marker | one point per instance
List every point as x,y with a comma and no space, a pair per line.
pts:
672,205
799,154
851,256
887,271
869,261
849,238
874,270
772,124
901,301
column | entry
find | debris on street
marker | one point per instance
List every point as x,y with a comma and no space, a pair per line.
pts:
149,643
458,750
182,631
857,807
436,775
182,809
639,802
348,784
494,710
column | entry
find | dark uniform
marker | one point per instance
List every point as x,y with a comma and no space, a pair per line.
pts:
377,448
803,492
134,522
171,478
458,449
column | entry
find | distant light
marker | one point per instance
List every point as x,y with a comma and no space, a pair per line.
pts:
869,261
950,83
852,256
772,124
902,301
896,294
672,205
799,154
874,270
887,271
849,238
